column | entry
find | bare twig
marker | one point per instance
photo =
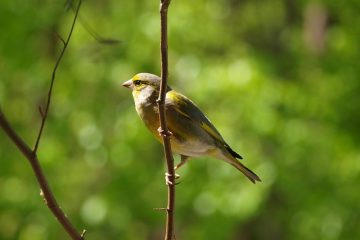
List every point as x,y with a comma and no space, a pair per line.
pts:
169,232
60,38
45,189
47,106
92,31
31,155
95,35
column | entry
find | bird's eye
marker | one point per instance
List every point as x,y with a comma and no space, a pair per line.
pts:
137,82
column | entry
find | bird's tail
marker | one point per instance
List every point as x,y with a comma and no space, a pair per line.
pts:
247,172
231,157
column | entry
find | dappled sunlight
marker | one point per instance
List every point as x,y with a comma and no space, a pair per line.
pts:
279,80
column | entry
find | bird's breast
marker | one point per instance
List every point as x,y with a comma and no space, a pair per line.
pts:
149,115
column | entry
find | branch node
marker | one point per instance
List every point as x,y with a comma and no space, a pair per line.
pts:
161,209
83,234
60,38
41,112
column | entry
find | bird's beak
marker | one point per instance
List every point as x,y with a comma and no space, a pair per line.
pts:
128,84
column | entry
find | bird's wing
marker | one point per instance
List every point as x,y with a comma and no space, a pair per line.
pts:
186,108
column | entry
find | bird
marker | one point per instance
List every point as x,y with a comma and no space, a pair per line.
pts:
192,133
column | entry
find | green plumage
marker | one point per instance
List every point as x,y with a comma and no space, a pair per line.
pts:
193,135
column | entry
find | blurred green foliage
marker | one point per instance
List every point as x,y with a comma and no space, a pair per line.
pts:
279,78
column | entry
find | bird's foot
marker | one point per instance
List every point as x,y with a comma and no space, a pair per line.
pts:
168,181
162,132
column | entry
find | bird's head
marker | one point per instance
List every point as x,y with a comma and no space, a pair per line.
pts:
144,85
143,81
145,88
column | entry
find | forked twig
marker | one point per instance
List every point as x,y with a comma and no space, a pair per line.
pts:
31,155
46,192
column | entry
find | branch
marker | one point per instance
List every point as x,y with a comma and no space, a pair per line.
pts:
44,114
95,35
164,131
49,198
31,155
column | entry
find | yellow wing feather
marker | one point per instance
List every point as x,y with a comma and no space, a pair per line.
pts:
188,109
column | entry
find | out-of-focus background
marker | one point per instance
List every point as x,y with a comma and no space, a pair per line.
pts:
279,79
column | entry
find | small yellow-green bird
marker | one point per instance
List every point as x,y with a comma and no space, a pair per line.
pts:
193,135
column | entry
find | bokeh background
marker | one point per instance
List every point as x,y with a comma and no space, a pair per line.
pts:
279,78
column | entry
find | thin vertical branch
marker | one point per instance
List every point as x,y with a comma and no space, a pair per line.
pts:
169,232
44,113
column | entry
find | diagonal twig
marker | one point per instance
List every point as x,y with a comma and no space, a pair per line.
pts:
47,106
45,189
95,35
